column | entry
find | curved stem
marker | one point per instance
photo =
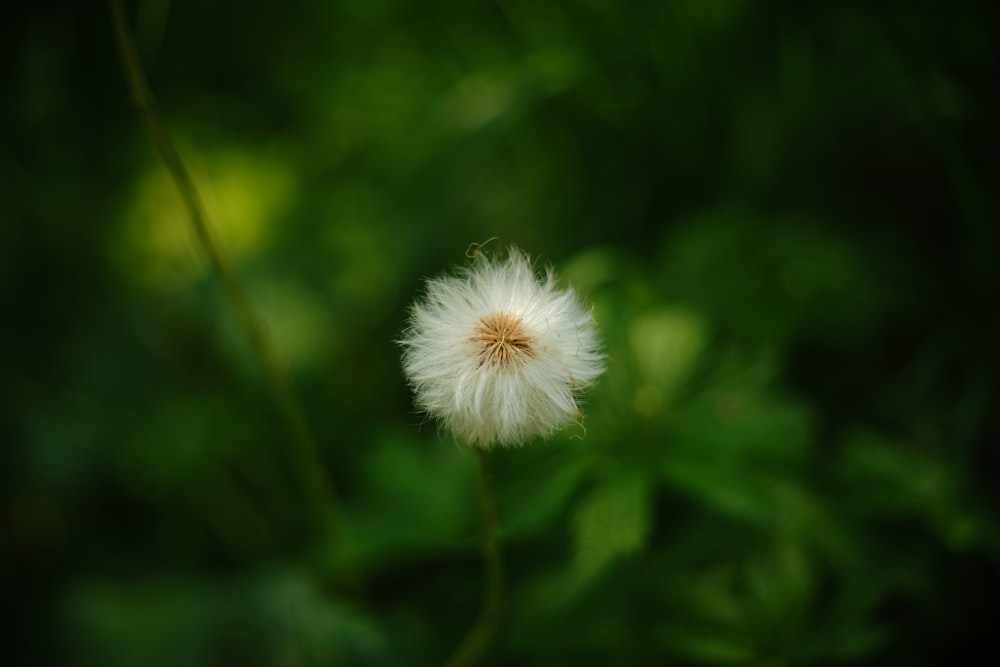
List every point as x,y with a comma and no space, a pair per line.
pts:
308,463
478,639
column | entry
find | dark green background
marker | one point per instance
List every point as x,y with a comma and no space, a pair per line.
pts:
784,213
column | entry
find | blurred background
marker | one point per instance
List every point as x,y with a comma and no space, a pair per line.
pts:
784,213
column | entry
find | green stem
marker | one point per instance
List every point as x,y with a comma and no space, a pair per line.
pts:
479,637
308,463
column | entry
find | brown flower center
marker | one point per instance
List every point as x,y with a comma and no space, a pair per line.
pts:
503,340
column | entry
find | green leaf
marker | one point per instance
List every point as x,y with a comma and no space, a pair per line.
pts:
531,497
610,524
417,497
665,345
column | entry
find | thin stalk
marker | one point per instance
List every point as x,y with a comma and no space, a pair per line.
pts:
479,637
312,473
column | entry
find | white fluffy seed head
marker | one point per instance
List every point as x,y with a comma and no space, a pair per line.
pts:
499,354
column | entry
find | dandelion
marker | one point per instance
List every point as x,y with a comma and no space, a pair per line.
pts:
499,354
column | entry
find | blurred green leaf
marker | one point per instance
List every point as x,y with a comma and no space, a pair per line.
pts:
889,479
417,497
610,524
768,280
159,624
665,344
194,622
534,493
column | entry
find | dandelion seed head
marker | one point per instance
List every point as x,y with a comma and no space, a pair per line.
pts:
498,353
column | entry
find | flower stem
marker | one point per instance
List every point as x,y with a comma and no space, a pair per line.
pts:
478,639
312,473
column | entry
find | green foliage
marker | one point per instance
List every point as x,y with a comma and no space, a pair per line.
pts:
784,216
